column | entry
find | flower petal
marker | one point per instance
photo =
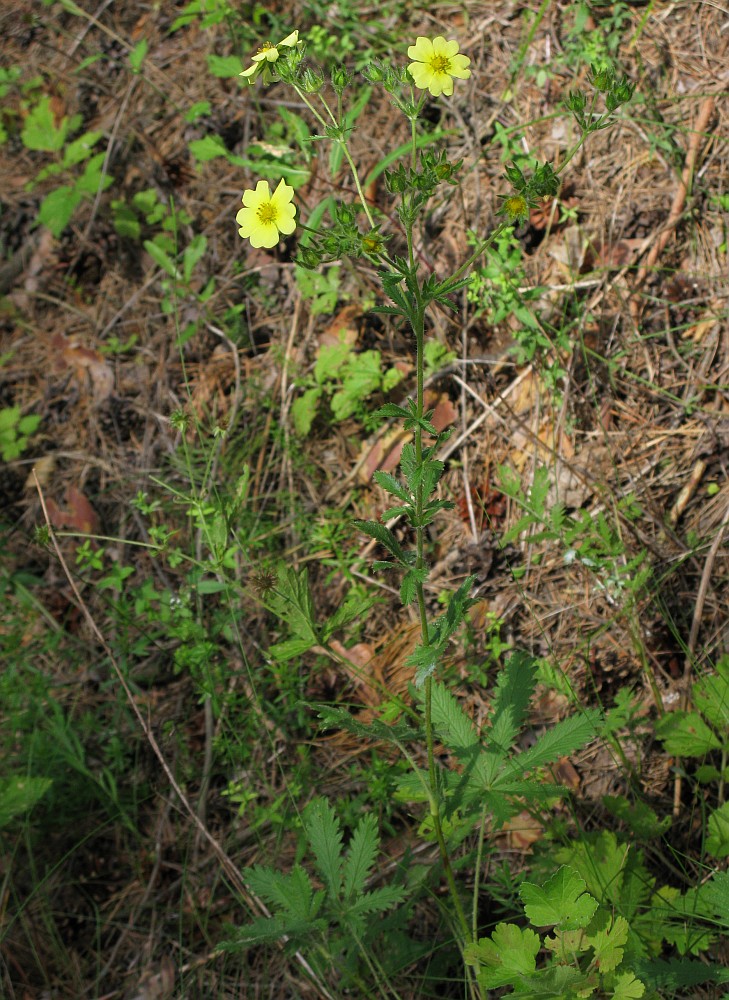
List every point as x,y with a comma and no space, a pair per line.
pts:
290,40
421,74
422,50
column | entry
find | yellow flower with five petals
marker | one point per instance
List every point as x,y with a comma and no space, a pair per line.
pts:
264,215
437,63
266,56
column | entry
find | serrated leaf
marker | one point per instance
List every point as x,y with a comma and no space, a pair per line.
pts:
453,726
57,208
711,696
289,649
391,485
559,741
409,584
627,987
40,131
360,856
352,608
717,840
339,718
377,900
607,937
514,689
685,734
510,953
391,410
562,901
384,536
325,837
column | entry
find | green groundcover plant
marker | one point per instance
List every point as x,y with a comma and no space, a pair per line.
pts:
577,944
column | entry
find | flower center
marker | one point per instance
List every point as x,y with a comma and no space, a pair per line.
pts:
440,64
265,47
267,213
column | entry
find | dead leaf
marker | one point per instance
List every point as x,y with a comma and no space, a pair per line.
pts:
78,514
86,363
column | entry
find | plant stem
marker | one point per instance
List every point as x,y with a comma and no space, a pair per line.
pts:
418,324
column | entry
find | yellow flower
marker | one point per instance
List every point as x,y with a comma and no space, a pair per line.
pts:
265,215
267,54
437,63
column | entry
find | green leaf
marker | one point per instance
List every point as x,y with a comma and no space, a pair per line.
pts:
352,608
513,691
377,900
289,649
640,819
80,149
627,987
559,741
339,718
453,726
294,604
40,131
18,795
57,208
384,536
208,148
711,696
138,55
93,179
360,856
162,259
304,410
510,953
561,901
391,485
685,734
606,938
717,841
325,837
224,66
409,584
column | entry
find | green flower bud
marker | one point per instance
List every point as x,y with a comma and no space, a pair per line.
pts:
310,81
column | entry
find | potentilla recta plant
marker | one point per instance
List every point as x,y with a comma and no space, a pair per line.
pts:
435,70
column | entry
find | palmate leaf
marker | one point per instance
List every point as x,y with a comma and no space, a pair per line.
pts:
627,987
562,901
606,937
505,957
361,856
325,837
686,734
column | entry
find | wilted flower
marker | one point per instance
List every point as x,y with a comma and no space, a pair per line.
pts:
265,215
437,63
266,55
